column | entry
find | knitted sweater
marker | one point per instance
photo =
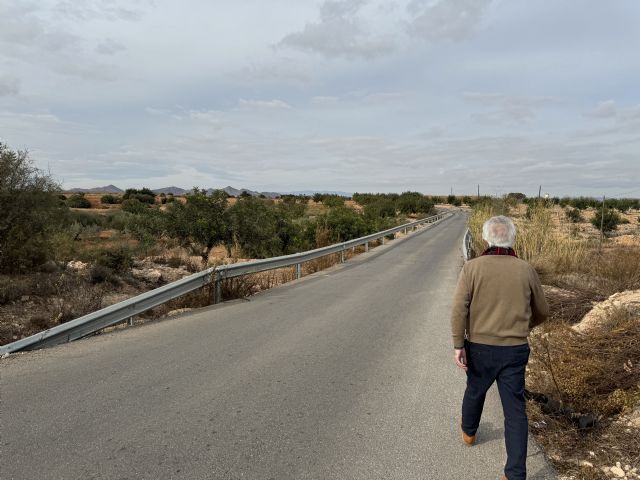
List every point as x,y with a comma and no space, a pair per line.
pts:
498,300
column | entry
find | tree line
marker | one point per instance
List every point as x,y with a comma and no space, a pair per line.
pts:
35,214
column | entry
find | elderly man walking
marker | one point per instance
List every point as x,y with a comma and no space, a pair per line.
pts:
498,300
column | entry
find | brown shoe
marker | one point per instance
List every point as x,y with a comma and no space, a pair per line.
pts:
468,439
504,478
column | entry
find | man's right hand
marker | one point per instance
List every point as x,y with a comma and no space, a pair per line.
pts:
460,357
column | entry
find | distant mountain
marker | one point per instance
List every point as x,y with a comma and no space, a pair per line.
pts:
170,190
234,192
310,193
107,189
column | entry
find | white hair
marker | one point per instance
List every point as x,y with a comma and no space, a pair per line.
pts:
499,232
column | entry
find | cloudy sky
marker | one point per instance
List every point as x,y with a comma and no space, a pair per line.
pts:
351,95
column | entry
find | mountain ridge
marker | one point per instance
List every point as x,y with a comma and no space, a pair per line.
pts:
235,192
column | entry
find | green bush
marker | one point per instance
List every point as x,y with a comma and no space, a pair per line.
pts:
110,200
573,215
31,212
100,274
85,219
610,221
333,201
380,208
117,219
254,226
133,205
414,202
200,224
344,224
143,195
77,200
118,260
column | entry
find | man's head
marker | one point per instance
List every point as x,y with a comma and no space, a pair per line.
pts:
499,232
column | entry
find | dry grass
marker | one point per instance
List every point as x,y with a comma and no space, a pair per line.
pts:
598,372
538,240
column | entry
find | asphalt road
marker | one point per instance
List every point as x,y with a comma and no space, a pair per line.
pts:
346,374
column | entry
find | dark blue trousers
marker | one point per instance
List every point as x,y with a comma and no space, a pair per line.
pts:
506,366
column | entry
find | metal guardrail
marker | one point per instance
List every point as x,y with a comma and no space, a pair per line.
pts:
467,250
120,312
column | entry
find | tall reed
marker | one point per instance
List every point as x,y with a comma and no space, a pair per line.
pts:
538,240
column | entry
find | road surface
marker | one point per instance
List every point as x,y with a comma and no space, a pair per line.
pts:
346,374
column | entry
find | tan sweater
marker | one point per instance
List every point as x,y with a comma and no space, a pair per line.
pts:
498,300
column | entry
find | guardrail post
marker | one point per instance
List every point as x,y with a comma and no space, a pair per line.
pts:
218,287
342,256
130,321
366,247
382,240
298,271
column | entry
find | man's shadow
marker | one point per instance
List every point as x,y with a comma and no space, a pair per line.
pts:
487,432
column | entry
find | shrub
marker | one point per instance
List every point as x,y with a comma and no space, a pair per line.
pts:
609,221
573,215
77,200
254,226
414,202
117,220
380,208
110,200
100,274
143,195
118,259
31,212
333,201
133,205
344,224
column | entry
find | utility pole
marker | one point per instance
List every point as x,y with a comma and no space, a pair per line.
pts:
601,224
478,191
539,191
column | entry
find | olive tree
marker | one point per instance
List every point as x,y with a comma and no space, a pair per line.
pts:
199,224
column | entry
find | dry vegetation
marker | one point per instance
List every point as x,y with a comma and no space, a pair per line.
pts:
584,385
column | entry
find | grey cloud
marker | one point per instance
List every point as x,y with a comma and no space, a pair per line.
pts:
506,108
109,46
100,72
131,10
275,103
605,109
445,19
30,32
9,85
284,70
324,100
340,32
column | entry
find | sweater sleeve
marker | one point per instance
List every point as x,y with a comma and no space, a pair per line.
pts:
539,306
460,311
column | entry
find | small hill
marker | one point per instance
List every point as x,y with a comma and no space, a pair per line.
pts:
310,193
107,189
234,192
170,190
